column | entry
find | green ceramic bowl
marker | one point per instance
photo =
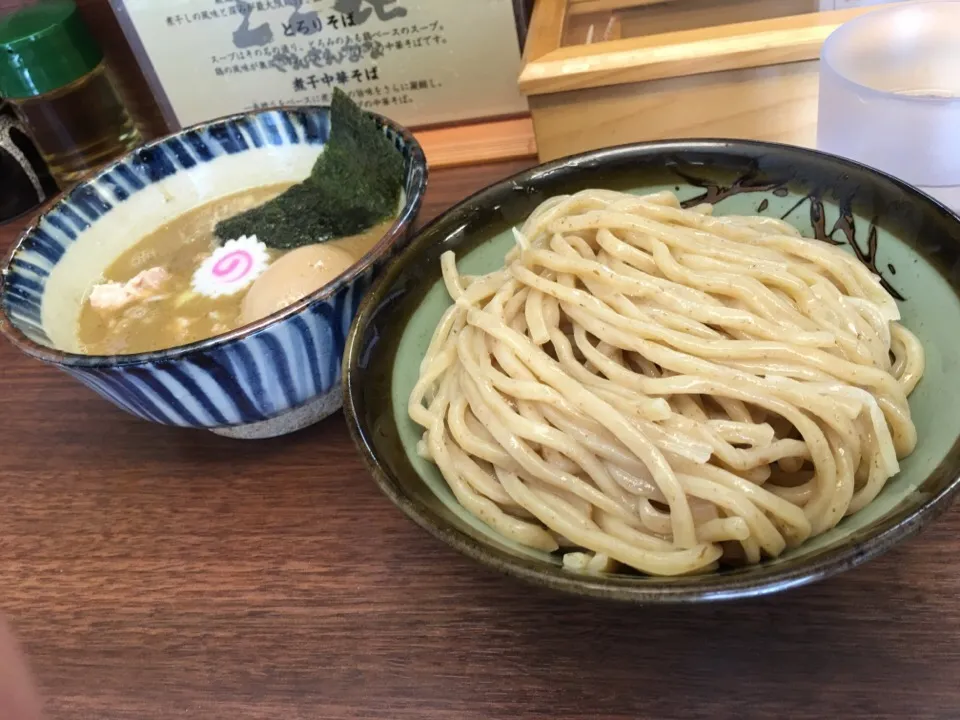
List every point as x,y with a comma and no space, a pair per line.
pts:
908,238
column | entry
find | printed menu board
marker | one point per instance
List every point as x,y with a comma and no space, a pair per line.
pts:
420,62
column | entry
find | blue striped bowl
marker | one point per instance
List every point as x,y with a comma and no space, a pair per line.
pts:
269,378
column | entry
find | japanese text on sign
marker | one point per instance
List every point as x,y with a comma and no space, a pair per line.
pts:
417,61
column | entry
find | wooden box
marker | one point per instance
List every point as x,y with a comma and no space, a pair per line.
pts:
604,72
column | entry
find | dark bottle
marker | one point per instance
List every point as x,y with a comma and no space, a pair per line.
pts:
25,181
54,74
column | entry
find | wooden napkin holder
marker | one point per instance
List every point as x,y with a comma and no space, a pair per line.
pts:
755,80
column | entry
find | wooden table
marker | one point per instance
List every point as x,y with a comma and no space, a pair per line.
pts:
160,573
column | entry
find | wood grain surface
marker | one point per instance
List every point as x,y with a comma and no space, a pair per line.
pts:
158,573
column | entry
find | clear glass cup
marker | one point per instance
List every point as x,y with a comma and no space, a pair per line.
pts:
890,94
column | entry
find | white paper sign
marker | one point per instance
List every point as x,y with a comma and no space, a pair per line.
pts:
419,62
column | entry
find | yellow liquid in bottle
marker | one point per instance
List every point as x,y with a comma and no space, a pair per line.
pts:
80,126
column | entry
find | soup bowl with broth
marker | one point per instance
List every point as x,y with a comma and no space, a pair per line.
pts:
255,364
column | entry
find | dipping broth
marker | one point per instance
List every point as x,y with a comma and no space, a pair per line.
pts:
147,300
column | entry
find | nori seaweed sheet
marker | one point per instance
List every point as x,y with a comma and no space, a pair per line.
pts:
354,185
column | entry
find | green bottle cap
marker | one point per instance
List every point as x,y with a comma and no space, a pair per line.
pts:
44,47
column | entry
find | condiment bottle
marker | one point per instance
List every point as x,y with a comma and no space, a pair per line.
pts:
53,72
25,181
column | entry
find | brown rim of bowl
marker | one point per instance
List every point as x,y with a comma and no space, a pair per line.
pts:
753,581
401,225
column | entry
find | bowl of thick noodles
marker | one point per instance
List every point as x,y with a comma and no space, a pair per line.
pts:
669,372
208,279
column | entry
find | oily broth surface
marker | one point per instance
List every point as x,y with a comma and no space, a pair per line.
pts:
177,316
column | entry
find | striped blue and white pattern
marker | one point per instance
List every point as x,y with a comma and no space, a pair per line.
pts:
218,383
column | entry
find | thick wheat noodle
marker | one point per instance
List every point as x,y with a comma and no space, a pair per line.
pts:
665,388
